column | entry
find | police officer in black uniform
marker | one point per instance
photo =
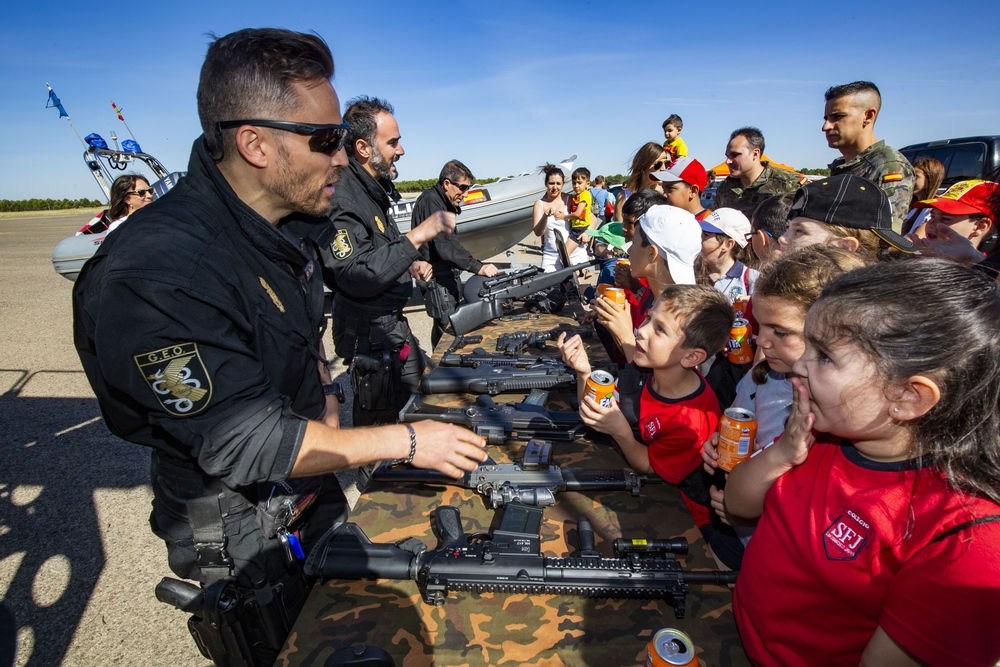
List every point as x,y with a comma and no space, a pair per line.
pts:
370,267
447,256
199,326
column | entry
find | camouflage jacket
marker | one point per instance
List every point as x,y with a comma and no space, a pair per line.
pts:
772,181
887,168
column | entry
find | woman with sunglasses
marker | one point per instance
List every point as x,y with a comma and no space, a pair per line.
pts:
129,193
649,158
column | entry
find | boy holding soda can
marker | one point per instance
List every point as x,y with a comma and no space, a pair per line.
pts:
662,409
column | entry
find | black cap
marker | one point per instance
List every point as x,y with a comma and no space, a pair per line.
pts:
849,201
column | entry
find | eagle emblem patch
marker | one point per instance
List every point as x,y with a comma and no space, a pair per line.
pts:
178,377
381,225
341,245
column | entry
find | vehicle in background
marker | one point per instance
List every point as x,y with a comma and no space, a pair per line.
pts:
964,159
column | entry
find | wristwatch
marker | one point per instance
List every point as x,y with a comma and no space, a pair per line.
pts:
334,389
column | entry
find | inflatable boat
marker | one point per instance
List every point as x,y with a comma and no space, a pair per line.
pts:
494,218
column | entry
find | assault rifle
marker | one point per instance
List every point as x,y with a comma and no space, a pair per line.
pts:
492,378
516,342
480,357
531,481
508,561
518,421
498,293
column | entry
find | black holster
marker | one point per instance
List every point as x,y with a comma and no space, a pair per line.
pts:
377,380
438,301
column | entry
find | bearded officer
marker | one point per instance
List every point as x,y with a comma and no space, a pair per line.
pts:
200,331
370,266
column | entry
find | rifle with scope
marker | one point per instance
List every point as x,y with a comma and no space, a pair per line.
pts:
516,421
531,481
498,293
509,561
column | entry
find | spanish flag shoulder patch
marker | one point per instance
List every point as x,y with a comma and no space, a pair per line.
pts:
889,178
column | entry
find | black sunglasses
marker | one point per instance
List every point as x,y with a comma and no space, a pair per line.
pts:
142,193
326,139
660,165
461,188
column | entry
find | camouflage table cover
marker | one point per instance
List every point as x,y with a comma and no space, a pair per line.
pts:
492,629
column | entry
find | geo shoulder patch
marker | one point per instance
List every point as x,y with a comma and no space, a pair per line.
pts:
178,378
341,245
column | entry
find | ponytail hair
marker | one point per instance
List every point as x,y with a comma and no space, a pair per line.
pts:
799,278
933,318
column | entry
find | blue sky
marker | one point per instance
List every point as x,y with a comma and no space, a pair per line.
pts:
505,86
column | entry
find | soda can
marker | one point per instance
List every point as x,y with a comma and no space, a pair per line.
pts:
603,287
601,386
616,295
740,351
737,432
671,648
740,305
623,263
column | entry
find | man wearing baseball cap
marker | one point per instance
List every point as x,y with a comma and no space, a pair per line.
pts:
846,211
683,184
966,207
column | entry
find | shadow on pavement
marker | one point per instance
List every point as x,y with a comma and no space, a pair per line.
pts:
56,453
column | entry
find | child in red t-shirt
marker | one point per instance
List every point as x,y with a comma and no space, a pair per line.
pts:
664,409
878,541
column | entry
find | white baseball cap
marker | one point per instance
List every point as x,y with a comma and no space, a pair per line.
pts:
677,237
730,222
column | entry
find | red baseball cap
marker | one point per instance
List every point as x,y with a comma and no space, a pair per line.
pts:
964,198
685,169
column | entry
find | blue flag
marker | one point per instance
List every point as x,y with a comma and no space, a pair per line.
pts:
54,102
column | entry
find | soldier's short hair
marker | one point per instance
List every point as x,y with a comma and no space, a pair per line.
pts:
675,120
836,92
753,136
248,74
362,115
453,171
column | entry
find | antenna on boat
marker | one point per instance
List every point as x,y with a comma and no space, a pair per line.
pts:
54,102
122,119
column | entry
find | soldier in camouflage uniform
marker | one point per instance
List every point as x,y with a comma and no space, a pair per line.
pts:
849,123
750,181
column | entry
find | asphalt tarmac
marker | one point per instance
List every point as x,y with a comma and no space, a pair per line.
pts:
78,563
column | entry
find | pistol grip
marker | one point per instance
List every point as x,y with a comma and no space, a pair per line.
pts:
586,533
449,524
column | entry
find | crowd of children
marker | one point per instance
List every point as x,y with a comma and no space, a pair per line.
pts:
873,496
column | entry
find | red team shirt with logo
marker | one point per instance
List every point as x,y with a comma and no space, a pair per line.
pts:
846,545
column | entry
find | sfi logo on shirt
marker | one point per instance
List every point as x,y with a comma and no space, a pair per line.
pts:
341,245
651,429
846,536
177,376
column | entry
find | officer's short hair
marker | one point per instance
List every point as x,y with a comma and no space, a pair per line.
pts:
753,136
248,74
836,92
453,171
362,115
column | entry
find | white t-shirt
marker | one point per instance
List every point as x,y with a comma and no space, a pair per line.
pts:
771,404
738,281
550,252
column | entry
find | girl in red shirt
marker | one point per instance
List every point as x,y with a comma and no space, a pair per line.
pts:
879,539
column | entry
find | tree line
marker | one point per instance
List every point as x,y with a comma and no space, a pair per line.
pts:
19,205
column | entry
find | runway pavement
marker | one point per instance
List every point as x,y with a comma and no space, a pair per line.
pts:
78,563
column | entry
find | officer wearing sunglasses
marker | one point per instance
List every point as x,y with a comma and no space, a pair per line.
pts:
200,328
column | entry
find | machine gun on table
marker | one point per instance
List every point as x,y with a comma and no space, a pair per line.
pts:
516,342
531,481
509,561
499,292
526,420
491,376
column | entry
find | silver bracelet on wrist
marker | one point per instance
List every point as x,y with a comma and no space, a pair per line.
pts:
413,448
